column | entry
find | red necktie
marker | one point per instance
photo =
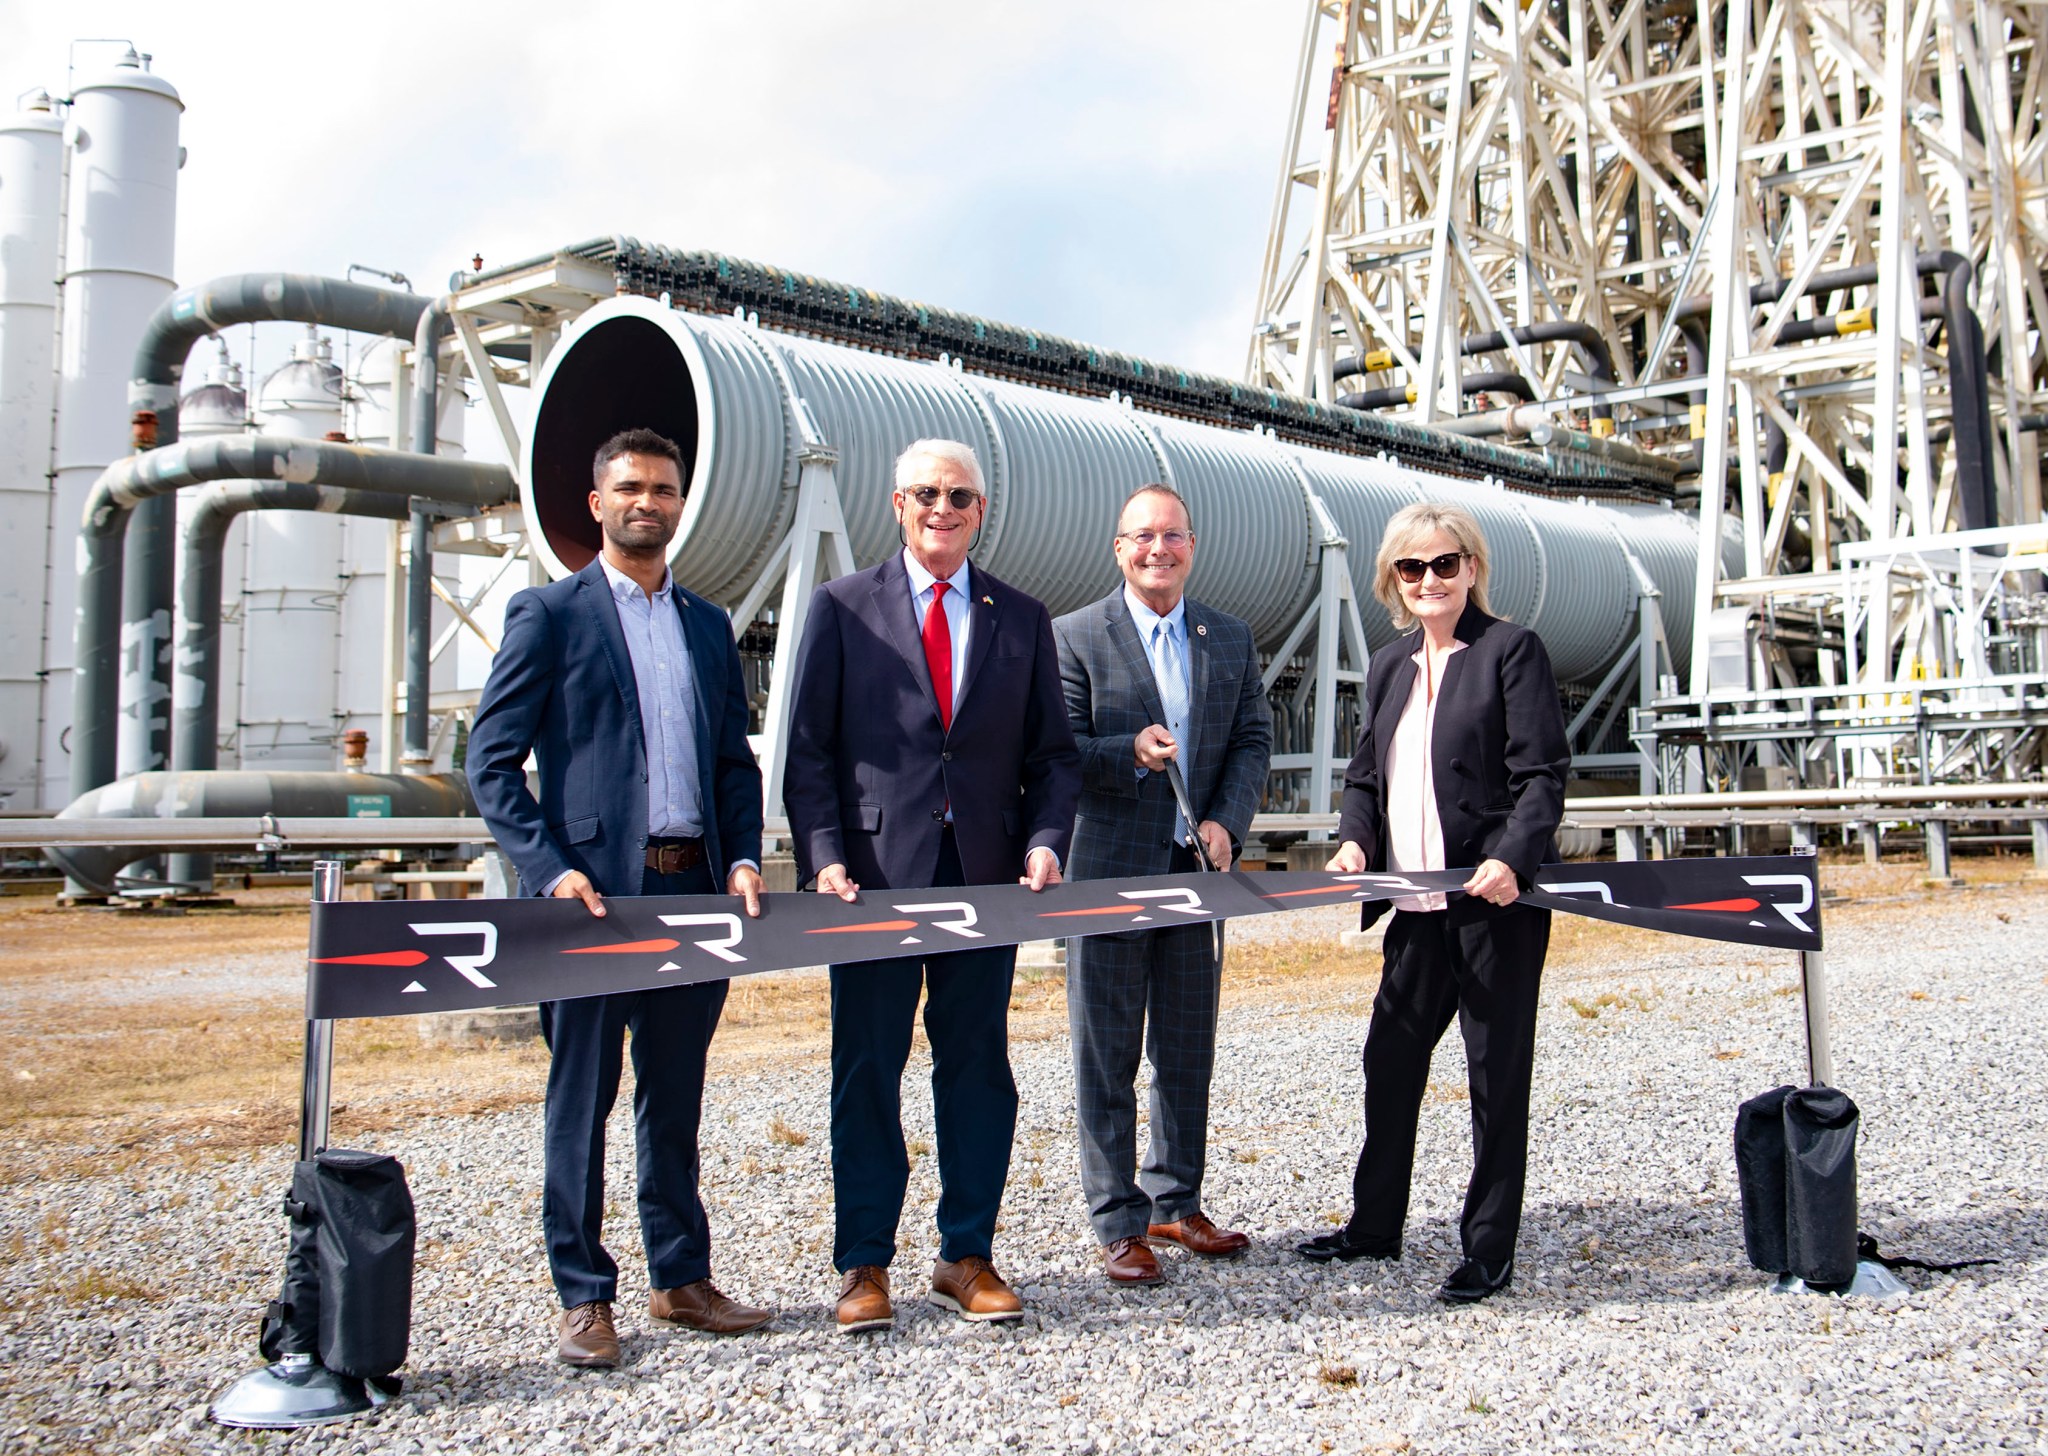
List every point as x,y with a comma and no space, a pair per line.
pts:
938,652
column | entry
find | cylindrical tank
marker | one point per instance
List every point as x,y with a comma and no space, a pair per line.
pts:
1057,466
31,235
122,140
291,588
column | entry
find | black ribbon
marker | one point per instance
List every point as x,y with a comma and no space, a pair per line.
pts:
405,957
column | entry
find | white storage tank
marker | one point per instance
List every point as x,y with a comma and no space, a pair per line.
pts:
121,140
31,236
291,588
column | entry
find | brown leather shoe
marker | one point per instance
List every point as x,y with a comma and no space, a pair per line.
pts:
973,1290
700,1306
1130,1261
588,1338
864,1300
1199,1236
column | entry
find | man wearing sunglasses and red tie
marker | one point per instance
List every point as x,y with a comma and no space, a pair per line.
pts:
929,747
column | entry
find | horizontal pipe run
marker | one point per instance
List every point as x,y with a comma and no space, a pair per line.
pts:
160,472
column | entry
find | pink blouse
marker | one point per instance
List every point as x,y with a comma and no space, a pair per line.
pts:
1415,830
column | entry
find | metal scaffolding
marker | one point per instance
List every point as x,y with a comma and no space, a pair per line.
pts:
1797,244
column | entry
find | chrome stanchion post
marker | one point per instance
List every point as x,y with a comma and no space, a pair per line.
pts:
298,1390
1813,989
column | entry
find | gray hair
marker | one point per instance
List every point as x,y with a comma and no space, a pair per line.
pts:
1413,524
952,452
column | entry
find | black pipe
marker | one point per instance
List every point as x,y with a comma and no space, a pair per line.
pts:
1505,381
1969,396
1383,398
1558,331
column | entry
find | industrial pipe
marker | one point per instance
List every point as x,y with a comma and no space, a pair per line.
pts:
185,318
125,483
195,741
432,327
1058,465
1499,381
239,794
1557,331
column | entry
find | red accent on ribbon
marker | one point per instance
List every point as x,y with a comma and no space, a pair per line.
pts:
1738,905
1322,890
1098,910
938,652
630,947
871,925
380,958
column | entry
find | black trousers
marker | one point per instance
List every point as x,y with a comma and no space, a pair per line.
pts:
1483,964
974,1097
671,1032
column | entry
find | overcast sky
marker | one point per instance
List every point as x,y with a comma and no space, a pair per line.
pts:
1102,170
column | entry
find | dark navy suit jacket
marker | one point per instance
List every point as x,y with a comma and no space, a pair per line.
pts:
1498,750
562,688
871,771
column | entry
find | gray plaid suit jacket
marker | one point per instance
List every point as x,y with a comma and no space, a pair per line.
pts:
1126,825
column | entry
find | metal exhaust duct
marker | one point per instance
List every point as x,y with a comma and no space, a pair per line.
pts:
735,398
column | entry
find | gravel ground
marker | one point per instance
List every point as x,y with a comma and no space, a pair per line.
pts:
127,1298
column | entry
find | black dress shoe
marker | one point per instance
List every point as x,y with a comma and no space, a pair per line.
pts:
1474,1280
1345,1245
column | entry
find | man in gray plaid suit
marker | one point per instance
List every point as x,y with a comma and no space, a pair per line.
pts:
1152,677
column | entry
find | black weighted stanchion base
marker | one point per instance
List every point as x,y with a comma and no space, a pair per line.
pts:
297,1391
1872,1280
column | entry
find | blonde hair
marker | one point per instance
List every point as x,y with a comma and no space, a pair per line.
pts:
1412,525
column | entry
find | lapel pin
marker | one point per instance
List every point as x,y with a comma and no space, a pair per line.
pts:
988,601
1201,629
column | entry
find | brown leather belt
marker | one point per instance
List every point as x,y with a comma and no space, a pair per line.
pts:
673,856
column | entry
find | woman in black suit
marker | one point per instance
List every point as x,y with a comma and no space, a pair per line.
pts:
1461,761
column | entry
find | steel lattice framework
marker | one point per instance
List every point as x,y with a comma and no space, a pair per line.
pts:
1799,241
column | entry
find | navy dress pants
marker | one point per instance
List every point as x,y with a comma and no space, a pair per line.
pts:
671,1032
1482,964
974,1098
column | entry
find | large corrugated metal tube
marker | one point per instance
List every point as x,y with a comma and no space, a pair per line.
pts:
1058,466
157,473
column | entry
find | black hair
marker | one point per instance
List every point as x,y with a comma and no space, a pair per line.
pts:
634,442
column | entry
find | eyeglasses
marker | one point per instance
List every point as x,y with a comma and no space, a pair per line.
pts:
1171,540
1445,566
958,497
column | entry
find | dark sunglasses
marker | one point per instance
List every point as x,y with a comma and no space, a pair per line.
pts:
1445,566
928,496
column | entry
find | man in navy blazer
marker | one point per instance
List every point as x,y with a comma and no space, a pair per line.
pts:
928,747
627,692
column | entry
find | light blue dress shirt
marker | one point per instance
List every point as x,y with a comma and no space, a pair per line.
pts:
662,678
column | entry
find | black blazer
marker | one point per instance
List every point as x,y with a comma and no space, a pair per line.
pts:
1499,750
870,769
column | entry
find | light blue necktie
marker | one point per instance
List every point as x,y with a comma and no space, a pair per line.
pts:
1170,672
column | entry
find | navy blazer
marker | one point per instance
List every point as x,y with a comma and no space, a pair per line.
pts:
1498,749
870,770
1128,825
562,689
